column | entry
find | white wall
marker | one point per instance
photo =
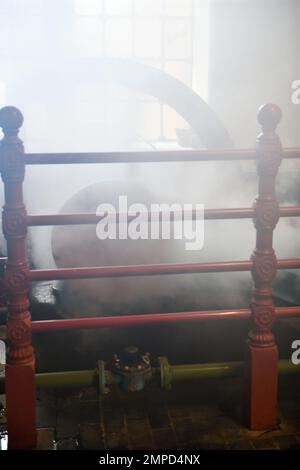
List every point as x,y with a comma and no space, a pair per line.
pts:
254,58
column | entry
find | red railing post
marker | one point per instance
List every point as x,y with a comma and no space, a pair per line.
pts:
20,369
261,351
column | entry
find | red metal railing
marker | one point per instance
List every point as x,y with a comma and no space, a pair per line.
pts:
152,270
150,319
148,156
261,350
209,214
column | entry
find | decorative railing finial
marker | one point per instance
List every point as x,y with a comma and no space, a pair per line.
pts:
11,148
269,116
11,119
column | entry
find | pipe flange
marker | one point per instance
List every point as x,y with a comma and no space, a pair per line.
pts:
101,375
165,373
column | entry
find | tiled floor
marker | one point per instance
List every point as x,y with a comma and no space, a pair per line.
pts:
194,415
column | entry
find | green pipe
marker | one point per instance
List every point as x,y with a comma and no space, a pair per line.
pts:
223,369
81,378
195,371
89,378
169,374
286,367
61,380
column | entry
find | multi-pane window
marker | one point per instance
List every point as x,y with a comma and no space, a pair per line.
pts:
158,33
38,35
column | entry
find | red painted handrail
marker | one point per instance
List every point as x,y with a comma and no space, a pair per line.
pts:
155,318
209,214
148,156
152,269
138,157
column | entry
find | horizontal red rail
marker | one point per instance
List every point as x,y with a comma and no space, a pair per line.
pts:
147,156
287,312
138,157
151,269
129,320
291,152
138,270
209,214
156,318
